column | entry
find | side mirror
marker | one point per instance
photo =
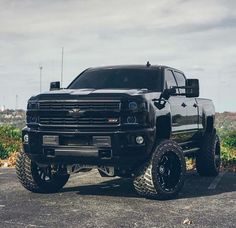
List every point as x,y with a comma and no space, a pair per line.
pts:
159,103
192,88
55,86
168,92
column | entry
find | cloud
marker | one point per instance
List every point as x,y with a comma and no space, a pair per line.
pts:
197,69
196,37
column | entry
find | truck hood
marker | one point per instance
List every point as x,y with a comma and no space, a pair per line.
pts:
91,93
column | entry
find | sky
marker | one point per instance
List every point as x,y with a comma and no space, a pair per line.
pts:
195,36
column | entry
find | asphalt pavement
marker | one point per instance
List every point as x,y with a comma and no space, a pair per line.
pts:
89,200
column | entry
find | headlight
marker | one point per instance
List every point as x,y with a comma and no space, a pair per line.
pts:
32,105
133,106
32,119
137,106
143,106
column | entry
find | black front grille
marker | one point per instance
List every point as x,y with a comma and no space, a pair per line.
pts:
82,105
79,113
77,121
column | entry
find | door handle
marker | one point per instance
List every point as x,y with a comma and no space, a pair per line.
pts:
183,105
195,105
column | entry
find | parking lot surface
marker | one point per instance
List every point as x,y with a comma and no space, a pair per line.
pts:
89,200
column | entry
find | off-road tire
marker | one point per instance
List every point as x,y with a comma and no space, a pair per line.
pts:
208,158
147,179
139,181
26,171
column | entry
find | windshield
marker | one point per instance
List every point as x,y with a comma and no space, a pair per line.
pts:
111,78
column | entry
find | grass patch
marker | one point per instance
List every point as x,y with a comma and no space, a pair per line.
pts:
228,148
10,141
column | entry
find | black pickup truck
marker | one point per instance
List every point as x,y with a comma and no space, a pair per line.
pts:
135,121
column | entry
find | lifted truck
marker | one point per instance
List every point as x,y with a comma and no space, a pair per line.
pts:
136,121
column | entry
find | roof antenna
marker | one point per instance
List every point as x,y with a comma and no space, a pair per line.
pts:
148,64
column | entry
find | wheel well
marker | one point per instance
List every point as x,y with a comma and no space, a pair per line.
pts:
163,127
209,124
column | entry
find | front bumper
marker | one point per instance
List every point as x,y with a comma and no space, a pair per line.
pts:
122,151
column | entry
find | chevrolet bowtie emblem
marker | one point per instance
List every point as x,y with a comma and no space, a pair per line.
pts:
74,112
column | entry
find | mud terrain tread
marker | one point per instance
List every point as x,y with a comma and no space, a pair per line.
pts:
143,181
28,176
205,160
24,173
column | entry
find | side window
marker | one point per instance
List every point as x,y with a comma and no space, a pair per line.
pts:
169,79
180,81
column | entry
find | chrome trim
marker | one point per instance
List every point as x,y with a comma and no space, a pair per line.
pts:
57,101
81,151
78,126
184,131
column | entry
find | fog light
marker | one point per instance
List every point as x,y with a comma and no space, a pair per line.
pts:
139,140
26,138
50,140
131,120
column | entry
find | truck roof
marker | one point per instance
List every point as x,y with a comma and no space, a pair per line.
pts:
161,67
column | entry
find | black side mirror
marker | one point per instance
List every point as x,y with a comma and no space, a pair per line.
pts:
192,88
168,92
55,86
159,103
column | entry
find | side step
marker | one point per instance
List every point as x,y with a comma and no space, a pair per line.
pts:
192,151
189,148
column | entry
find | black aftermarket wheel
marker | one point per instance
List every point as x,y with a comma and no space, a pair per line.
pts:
163,176
46,179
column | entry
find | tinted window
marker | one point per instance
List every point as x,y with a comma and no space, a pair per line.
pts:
119,79
180,81
170,80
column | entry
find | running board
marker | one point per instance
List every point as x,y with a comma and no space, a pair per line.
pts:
187,144
191,151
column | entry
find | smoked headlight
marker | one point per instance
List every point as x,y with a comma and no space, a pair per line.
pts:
32,105
137,106
133,105
32,119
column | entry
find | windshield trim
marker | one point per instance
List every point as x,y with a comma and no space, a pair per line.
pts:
122,68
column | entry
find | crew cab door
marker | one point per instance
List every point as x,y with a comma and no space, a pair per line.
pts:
177,104
190,103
